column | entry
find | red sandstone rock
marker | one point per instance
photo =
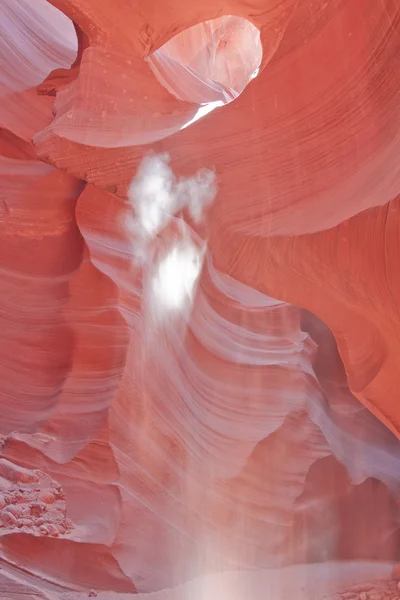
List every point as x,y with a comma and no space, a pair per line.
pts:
145,445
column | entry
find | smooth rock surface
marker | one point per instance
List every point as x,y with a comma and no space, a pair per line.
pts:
199,314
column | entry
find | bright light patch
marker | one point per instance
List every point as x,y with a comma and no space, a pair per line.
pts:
170,259
204,109
152,190
210,62
174,283
255,73
157,195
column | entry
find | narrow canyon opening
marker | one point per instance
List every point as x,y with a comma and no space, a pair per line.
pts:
209,64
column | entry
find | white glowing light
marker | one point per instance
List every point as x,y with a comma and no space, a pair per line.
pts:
174,282
255,73
157,195
153,195
204,109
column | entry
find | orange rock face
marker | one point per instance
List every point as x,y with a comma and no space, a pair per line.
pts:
199,303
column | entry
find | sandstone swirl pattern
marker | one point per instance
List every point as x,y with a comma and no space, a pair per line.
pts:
258,428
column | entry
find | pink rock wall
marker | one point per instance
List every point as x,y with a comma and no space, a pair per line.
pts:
198,368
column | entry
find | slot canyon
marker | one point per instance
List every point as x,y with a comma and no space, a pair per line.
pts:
200,299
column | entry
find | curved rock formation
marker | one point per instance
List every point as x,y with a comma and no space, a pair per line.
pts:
199,313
